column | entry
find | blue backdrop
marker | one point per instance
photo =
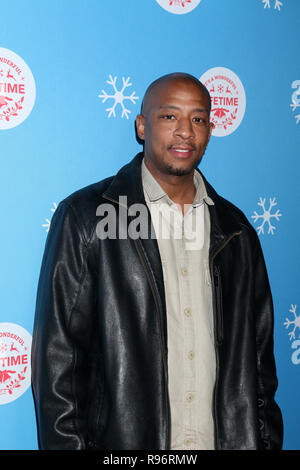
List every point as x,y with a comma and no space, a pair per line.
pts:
74,50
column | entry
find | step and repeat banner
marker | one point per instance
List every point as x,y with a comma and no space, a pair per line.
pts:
72,79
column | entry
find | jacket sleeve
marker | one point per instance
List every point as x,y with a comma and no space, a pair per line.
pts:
270,419
62,332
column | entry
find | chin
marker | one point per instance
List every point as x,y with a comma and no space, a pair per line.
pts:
180,171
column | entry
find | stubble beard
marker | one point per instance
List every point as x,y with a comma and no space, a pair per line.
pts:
177,171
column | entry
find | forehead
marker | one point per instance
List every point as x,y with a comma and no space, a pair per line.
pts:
175,93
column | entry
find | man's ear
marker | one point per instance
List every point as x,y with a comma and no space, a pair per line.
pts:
211,127
140,126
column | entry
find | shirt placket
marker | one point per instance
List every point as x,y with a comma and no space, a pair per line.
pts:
187,309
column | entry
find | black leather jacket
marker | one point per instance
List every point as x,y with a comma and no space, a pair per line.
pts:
99,354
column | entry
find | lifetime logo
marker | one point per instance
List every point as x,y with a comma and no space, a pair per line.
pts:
15,358
228,99
17,90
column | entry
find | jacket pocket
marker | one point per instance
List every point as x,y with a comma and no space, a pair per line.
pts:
219,305
95,403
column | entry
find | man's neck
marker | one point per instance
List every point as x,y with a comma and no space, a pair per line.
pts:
180,189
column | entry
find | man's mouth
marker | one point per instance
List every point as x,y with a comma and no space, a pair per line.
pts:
182,151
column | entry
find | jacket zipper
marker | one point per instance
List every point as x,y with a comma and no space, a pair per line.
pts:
219,310
218,333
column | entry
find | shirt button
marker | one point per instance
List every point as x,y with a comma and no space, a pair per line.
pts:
190,397
187,311
191,355
187,442
184,271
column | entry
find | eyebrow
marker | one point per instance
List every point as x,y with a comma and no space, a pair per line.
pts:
198,110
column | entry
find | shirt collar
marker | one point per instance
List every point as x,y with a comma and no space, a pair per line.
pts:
155,192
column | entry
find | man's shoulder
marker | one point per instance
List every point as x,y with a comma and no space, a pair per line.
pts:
229,214
81,207
235,211
236,216
88,197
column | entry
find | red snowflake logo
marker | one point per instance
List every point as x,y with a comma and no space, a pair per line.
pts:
220,112
179,2
5,375
12,110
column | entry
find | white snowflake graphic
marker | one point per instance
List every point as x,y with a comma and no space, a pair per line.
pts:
266,216
297,118
295,322
277,4
48,221
118,97
296,99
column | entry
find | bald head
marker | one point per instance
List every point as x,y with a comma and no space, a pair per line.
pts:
170,79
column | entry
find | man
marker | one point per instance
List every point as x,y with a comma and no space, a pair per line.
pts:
155,342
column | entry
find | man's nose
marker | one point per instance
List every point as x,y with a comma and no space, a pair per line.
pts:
184,128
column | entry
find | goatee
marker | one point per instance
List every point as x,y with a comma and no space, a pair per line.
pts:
175,171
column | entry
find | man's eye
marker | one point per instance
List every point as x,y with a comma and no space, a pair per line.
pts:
168,116
199,119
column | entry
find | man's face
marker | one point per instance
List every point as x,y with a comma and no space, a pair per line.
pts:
175,127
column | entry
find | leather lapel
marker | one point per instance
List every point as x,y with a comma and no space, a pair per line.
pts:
223,224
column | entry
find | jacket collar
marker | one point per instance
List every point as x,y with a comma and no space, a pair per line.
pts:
225,219
128,182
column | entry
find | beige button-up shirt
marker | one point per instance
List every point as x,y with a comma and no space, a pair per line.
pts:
183,243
